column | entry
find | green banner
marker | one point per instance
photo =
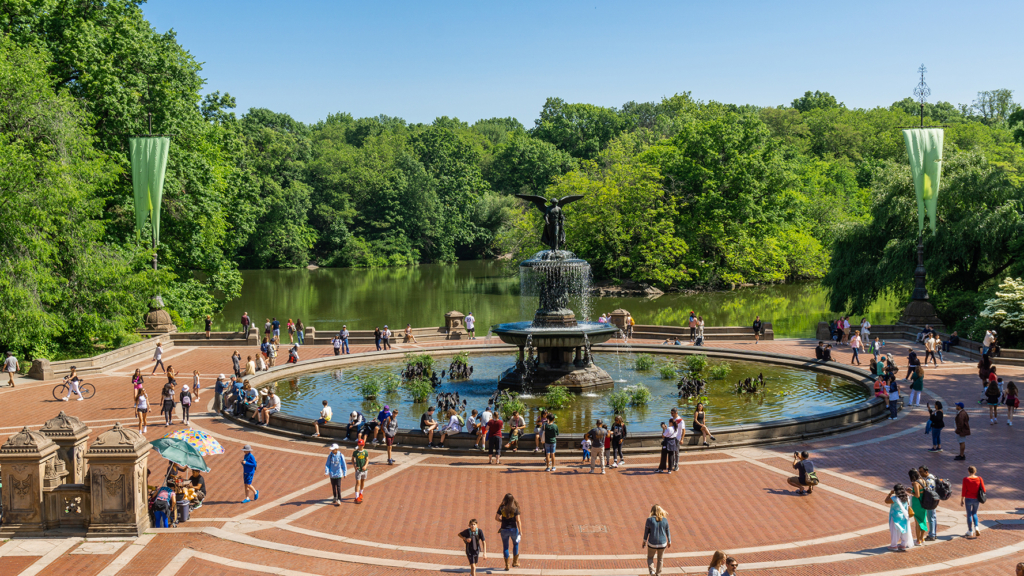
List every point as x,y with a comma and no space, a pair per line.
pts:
924,147
149,163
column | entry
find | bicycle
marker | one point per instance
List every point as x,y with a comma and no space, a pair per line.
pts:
64,389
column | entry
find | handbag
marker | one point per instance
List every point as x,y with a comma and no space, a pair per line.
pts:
910,511
982,497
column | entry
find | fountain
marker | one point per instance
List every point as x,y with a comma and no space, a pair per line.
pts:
562,343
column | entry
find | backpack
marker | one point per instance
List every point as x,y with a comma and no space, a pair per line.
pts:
186,399
943,489
930,498
162,502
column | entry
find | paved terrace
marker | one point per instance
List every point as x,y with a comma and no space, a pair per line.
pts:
575,523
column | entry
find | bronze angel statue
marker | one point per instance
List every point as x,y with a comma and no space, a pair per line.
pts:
554,220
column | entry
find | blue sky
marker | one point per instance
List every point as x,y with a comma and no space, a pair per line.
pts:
472,60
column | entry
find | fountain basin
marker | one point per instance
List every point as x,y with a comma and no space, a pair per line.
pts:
517,333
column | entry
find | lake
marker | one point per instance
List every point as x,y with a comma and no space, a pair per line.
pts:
326,298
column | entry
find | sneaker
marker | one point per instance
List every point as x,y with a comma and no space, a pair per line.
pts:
198,505
959,458
80,398
359,499
930,539
1009,423
547,469
337,502
969,534
933,449
246,501
314,435
615,465
622,462
144,429
257,497
63,399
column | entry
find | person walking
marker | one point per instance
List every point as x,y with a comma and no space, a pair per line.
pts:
806,476
385,337
185,398
493,438
511,529
972,493
137,382
195,385
248,474
142,408
757,328
928,483
360,460
936,422
857,347
717,565
236,363
167,402
390,431
377,336
876,350
550,442
912,363
158,358
865,328
657,539
1012,401
619,433
700,425
930,346
668,448
993,397
963,429
11,366
476,545
344,334
899,518
597,436
300,331
920,517
916,386
335,469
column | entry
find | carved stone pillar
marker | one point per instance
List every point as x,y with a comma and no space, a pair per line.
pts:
455,325
70,435
23,464
117,471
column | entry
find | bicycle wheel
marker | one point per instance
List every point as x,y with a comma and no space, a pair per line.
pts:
59,391
87,390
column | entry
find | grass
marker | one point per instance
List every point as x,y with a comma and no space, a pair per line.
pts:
696,364
558,397
643,362
420,389
639,395
668,371
720,371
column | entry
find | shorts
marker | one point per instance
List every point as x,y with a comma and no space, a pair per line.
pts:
961,439
247,479
549,448
494,445
361,475
142,410
321,421
270,411
389,440
993,400
473,558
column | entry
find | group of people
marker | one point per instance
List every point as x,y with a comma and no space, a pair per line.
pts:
170,396
627,323
912,517
171,500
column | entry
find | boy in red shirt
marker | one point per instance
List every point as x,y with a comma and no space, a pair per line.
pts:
494,426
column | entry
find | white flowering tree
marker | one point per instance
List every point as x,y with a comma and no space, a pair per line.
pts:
1006,310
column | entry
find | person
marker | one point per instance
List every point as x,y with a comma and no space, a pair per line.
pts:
899,518
930,345
550,442
382,417
291,331
360,459
630,323
894,397
209,326
271,406
248,474
142,408
11,366
919,526
986,343
300,331
272,352
819,351
409,336
137,382
246,321
335,469
717,563
390,431
865,328
266,330
511,529
453,427
344,334
953,340
325,416
680,426
585,446
939,344
428,425
963,429
916,386
158,358
928,483
912,363
517,425
972,486
1012,401
476,545
693,326
275,332
619,433
936,424
385,337
597,435
369,430
657,539
167,402
377,335
993,397
493,438
474,427
336,344
602,319
984,369
876,349
700,331
198,484
236,363
757,328
538,430
856,346
355,424
827,354
163,503
293,354
471,326
731,565
700,424
185,398
243,399
250,366
806,477
668,448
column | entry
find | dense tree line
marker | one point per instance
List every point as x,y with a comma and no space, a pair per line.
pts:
680,193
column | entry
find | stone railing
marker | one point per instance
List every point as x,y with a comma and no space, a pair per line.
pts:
43,369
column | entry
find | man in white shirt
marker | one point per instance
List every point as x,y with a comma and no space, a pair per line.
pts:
680,428
11,366
471,326
930,345
271,405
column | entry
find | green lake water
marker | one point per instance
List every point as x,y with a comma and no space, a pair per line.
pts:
329,297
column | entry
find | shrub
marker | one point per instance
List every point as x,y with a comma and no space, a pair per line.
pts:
696,364
1006,310
391,383
720,371
668,371
417,366
558,397
639,395
644,362
370,387
419,388
511,404
618,401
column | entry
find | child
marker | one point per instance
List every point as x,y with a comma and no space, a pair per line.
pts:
325,416
586,445
876,348
473,427
476,545
248,473
882,390
359,460
186,403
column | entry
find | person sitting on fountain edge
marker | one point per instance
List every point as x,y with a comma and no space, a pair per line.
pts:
826,355
355,424
819,352
428,425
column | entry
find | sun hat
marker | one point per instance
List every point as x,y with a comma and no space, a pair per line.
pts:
335,447
185,388
222,376
246,448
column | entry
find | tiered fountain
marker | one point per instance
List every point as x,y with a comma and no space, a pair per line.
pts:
554,349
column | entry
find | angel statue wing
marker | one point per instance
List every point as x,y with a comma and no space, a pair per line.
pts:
540,201
568,199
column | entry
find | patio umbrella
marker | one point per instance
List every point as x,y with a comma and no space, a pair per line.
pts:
181,453
201,441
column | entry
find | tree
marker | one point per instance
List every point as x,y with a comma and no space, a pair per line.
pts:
995,106
1006,310
1016,122
525,165
582,130
816,101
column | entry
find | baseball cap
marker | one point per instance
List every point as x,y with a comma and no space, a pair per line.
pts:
335,447
959,404
386,408
361,442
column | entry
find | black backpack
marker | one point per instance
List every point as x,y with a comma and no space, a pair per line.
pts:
943,489
929,498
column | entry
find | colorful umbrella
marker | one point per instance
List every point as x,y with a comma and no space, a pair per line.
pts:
181,453
199,440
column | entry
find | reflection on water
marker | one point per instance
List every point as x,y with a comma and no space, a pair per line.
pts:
362,299
791,393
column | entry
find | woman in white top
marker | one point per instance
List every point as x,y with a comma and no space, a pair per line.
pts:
857,346
158,357
142,408
865,328
454,425
717,566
